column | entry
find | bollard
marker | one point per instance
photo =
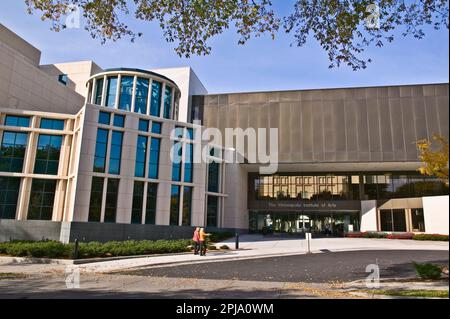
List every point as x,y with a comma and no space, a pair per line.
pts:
75,250
308,241
237,241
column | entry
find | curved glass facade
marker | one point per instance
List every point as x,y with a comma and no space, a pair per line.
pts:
135,91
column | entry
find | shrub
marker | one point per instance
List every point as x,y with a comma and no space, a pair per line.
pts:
53,249
428,271
374,235
218,237
43,249
354,235
212,247
433,237
400,236
224,247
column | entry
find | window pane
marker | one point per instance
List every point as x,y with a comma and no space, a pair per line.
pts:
47,155
150,211
41,199
112,192
100,150
20,121
176,166
111,91
179,132
190,133
154,158
213,177
12,151
401,186
155,106
399,217
418,220
52,124
63,79
140,105
174,205
188,166
141,154
104,118
143,125
187,206
386,220
138,200
119,120
102,135
126,91
9,193
156,128
99,92
167,102
212,212
95,205
116,153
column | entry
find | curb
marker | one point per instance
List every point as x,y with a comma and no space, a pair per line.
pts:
53,261
33,260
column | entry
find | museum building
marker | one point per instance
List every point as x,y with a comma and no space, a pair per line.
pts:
102,154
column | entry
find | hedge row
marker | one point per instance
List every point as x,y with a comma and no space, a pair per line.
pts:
53,249
219,237
432,237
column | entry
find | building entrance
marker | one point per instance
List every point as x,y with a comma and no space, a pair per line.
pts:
319,223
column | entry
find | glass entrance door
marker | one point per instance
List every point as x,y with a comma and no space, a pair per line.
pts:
318,223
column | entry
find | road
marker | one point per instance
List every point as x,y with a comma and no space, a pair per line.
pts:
302,276
319,268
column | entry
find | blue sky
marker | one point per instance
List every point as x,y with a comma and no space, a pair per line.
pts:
260,65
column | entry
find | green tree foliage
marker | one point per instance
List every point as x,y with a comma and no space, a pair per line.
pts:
343,28
434,157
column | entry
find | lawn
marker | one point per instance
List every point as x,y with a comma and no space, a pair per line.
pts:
412,293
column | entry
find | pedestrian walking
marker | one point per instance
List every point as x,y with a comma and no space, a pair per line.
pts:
196,239
203,241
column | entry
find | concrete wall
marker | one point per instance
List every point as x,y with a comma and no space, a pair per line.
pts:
374,124
29,52
189,85
29,230
24,86
235,205
105,232
77,72
86,232
436,213
368,215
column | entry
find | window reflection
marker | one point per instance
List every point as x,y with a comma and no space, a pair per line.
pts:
155,105
111,91
167,102
12,151
346,187
140,105
98,92
155,145
126,91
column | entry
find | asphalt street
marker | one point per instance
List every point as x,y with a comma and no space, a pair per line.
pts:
325,267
